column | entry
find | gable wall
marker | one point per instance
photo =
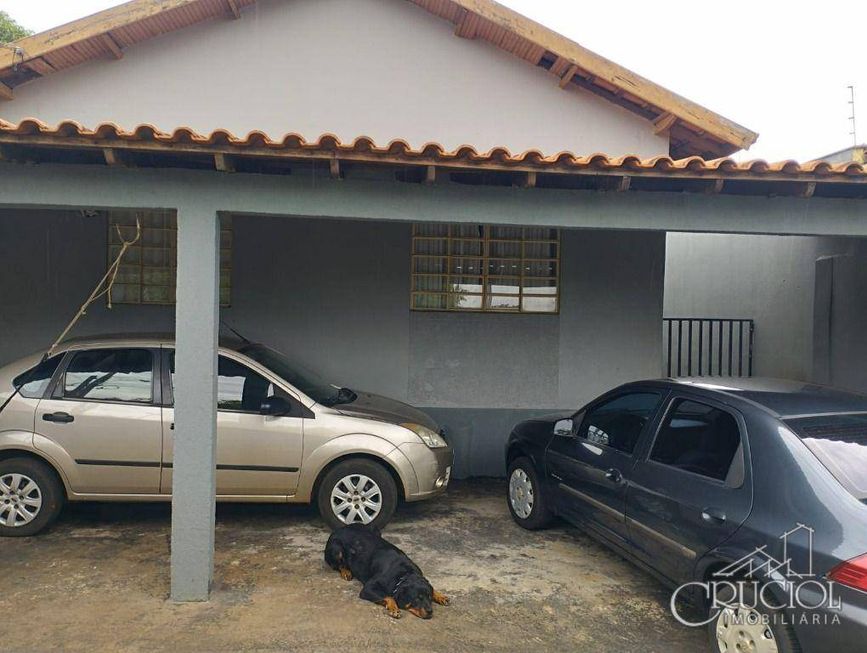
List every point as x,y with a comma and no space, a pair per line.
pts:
382,68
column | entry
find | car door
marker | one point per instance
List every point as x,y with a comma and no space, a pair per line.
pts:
591,468
692,488
101,415
257,455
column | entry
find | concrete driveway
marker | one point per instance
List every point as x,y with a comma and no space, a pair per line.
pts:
99,581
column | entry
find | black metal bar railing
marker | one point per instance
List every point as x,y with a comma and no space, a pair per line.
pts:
704,346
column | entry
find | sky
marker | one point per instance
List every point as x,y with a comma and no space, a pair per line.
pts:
778,67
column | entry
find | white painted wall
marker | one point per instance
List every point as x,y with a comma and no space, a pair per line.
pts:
381,68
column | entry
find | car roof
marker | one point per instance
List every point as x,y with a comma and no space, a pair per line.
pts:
137,340
784,398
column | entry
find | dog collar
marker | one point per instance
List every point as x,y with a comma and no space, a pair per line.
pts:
400,582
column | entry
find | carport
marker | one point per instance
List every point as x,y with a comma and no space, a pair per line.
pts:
622,207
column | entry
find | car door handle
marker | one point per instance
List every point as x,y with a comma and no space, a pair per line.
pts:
58,418
614,475
713,516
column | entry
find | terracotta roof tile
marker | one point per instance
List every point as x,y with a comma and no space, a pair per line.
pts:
71,133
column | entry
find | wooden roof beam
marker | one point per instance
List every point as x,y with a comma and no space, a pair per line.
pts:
85,28
568,76
664,123
5,92
715,187
223,162
112,45
334,167
41,67
430,175
113,158
465,27
611,73
234,9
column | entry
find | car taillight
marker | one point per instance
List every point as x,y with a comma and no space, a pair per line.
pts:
852,573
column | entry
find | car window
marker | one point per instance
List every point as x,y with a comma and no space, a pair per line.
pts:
618,423
124,375
701,439
239,388
840,442
33,383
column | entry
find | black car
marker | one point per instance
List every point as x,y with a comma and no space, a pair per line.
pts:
747,496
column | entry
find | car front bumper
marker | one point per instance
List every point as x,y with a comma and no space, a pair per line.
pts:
433,468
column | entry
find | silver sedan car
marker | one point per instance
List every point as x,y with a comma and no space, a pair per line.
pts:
95,422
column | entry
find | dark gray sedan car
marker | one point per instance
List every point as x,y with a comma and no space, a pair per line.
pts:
746,496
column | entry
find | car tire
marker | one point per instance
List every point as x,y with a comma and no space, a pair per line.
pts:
526,500
726,634
31,497
357,491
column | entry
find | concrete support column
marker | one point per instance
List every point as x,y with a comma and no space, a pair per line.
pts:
195,434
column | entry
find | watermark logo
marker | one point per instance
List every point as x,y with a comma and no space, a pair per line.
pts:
761,589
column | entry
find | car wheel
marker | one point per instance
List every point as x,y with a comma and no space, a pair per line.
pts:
750,626
527,503
357,491
30,497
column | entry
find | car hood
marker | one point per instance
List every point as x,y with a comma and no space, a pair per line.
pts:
368,404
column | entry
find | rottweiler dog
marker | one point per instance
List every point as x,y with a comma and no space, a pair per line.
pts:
390,578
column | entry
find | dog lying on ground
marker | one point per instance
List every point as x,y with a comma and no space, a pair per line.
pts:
390,578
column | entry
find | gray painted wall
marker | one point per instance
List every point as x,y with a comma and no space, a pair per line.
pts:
386,69
336,294
768,278
840,314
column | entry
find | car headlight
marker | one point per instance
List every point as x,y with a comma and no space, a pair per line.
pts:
430,438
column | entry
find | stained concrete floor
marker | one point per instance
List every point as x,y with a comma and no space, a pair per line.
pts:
99,581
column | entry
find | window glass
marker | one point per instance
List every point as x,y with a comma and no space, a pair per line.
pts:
33,383
239,388
618,423
840,442
699,438
110,375
467,267
148,271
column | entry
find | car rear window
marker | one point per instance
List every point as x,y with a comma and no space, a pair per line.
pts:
840,442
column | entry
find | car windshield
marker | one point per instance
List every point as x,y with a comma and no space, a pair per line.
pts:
840,442
304,379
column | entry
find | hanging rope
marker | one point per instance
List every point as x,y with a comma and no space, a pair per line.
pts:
103,288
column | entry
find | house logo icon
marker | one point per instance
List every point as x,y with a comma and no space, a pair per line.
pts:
761,563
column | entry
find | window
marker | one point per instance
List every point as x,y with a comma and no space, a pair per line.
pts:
618,423
148,272
840,442
239,389
33,383
700,439
465,267
110,375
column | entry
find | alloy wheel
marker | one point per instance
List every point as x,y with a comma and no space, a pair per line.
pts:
356,499
20,500
521,493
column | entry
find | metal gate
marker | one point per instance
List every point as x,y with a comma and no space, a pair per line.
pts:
703,346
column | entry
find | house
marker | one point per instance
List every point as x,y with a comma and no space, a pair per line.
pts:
436,200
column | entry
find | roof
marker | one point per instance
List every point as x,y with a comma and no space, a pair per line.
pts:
692,129
146,146
783,397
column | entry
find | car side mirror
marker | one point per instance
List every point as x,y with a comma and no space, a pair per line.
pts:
565,428
276,407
